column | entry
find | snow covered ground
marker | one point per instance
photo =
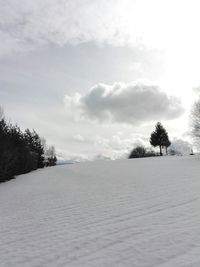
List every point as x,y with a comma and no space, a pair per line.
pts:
140,212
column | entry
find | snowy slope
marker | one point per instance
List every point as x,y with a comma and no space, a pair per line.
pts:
140,212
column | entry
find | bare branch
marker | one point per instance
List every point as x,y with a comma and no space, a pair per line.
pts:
1,113
195,119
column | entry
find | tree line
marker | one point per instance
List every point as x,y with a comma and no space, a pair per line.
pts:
22,152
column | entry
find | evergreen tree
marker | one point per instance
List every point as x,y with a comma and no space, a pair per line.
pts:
7,153
160,138
167,144
20,152
36,148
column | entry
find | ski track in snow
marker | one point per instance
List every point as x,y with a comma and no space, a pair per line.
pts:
140,212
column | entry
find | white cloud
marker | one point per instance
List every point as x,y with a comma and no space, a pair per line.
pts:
196,89
119,144
133,103
28,24
79,138
71,156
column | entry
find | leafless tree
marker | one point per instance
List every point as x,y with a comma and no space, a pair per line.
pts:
1,113
50,156
195,118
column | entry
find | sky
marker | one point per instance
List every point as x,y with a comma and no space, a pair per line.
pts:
94,76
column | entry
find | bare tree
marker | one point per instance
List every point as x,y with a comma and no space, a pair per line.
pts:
195,117
50,156
1,113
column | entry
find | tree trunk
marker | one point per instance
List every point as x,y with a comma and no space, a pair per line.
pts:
160,150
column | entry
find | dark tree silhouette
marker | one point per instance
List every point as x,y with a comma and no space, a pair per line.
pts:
167,144
35,144
20,152
138,152
160,138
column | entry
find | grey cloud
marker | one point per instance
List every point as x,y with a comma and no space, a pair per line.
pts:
25,25
128,103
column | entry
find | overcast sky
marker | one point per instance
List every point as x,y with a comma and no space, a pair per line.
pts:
94,76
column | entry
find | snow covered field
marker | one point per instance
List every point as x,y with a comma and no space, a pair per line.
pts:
140,212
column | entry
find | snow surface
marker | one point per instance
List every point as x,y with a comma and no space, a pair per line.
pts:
139,212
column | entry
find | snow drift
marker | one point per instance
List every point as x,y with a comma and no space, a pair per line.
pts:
140,212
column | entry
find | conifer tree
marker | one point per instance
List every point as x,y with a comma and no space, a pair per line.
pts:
160,138
35,144
20,152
